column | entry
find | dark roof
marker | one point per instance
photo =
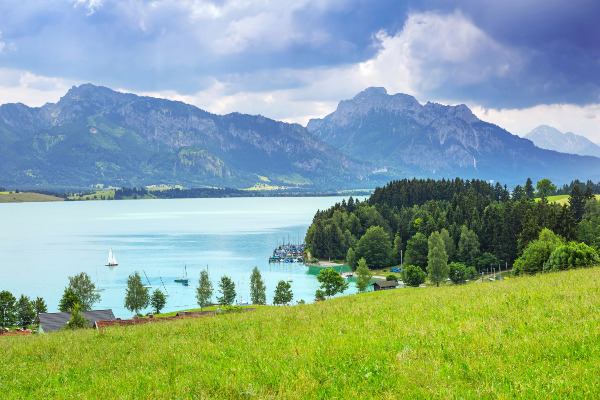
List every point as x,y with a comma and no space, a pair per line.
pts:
386,283
51,322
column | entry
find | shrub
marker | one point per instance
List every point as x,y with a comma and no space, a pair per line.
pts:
570,256
413,276
391,277
458,272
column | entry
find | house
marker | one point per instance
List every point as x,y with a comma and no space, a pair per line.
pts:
384,285
50,322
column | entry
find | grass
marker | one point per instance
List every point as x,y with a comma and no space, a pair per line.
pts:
529,337
25,197
562,198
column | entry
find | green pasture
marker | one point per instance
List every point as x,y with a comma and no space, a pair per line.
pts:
527,337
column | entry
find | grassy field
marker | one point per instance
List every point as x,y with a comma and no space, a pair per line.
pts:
562,199
25,197
530,337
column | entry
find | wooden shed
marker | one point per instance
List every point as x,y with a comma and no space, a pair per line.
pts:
384,285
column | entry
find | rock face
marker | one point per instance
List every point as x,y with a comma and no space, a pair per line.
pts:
547,137
96,135
398,134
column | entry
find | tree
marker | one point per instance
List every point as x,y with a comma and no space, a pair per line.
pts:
83,286
158,300
529,191
577,202
416,251
39,305
397,250
437,259
331,282
572,255
363,276
25,312
545,188
283,293
319,295
257,288
458,272
537,253
351,259
136,295
375,247
448,242
77,321
204,290
8,309
227,290
468,245
413,275
68,300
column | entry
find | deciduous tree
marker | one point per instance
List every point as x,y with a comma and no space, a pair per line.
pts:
68,300
413,275
363,276
8,309
283,293
204,290
375,247
25,311
227,290
158,300
257,288
437,259
331,282
136,295
83,286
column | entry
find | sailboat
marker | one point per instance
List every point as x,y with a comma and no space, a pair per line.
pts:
112,261
97,288
164,287
184,279
290,279
149,285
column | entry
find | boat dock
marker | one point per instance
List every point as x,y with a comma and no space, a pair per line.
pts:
288,253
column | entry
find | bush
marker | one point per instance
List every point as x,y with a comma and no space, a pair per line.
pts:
458,272
391,277
570,256
413,276
472,273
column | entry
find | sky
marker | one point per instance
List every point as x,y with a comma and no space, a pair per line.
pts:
518,64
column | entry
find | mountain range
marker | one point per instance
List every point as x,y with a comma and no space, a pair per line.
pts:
94,135
405,138
547,137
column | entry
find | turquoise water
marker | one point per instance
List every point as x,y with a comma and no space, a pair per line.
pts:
41,244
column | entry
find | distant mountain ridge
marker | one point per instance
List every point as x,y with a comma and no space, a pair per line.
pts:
97,135
398,134
547,137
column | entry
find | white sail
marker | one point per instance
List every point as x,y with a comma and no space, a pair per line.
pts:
111,258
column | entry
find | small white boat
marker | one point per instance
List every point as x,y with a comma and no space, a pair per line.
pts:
112,261
96,287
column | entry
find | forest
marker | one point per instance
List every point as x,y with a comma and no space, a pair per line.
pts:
482,225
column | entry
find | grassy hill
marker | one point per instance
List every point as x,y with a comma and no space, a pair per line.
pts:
25,197
530,337
562,198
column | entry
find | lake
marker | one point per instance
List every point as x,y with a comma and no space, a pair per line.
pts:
42,244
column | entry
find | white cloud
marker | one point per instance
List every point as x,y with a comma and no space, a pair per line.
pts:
30,89
90,5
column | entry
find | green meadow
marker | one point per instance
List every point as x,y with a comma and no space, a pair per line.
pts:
25,197
528,337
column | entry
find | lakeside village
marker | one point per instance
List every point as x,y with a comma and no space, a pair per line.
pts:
81,294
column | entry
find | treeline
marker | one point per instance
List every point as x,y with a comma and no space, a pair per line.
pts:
482,224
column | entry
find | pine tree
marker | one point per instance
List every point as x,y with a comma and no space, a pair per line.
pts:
437,259
529,190
39,306
257,288
8,309
204,290
577,203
